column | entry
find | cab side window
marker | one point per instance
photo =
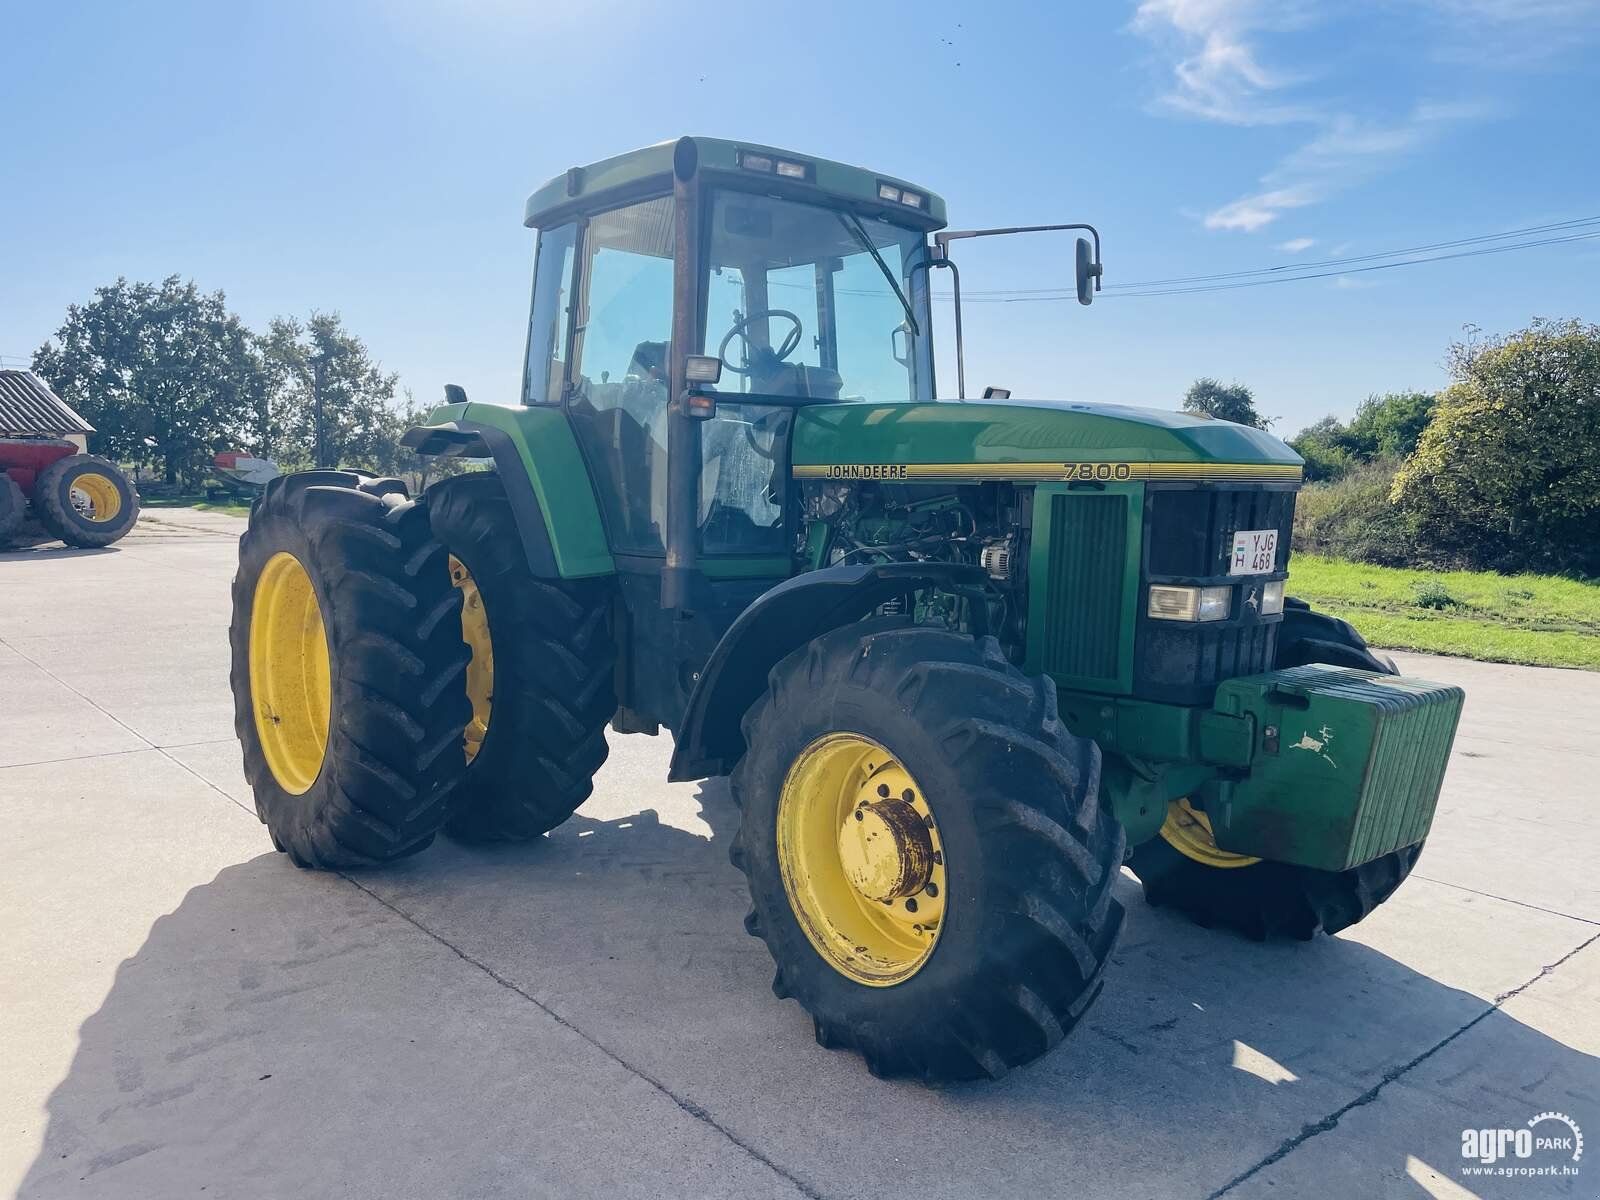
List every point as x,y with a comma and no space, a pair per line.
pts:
618,393
547,328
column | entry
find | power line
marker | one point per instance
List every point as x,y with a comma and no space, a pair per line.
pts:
1297,267
1251,283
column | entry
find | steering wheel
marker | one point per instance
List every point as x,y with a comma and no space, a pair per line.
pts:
785,348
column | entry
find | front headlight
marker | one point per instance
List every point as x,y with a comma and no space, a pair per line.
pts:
1272,598
1168,603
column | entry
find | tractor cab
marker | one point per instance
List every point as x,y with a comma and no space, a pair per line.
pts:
757,280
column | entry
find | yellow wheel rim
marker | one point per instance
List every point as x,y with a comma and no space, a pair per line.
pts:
101,499
862,862
1188,831
480,671
289,673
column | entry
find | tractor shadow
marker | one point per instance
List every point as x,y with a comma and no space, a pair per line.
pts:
282,1026
56,550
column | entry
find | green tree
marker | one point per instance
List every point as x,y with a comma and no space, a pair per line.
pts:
164,372
1384,428
1507,475
329,404
1390,426
1226,402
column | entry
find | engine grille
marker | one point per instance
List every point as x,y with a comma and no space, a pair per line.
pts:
1084,595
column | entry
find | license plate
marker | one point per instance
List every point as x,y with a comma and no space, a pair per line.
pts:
1255,552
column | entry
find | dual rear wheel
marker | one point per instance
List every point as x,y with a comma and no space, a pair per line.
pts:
397,670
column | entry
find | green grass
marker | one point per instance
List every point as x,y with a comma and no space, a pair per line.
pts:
236,508
1540,620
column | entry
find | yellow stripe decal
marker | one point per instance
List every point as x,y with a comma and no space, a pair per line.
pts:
1054,472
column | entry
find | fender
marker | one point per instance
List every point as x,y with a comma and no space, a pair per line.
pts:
781,620
545,479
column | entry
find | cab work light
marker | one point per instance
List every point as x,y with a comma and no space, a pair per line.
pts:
895,194
1169,603
751,160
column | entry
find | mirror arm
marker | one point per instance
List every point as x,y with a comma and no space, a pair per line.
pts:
944,260
944,239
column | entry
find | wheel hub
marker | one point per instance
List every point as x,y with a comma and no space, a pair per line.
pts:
862,860
885,849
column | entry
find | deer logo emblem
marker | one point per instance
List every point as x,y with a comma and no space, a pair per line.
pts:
1317,745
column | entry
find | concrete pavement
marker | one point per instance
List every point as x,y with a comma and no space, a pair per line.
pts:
586,1016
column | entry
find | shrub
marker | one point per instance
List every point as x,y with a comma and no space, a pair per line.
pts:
1432,593
1507,475
1352,517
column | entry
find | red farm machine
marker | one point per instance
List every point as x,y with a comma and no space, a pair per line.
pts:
51,488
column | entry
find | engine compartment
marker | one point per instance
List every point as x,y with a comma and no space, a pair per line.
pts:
983,524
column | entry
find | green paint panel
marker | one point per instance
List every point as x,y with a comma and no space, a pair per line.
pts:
548,452
1353,771
1022,431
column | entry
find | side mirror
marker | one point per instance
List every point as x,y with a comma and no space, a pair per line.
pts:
1089,273
454,393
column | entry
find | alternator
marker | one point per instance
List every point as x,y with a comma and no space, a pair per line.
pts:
999,559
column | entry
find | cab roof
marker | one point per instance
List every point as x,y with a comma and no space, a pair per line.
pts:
580,187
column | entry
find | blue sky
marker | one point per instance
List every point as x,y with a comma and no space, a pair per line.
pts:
373,158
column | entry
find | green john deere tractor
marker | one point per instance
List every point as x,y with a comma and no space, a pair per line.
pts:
956,657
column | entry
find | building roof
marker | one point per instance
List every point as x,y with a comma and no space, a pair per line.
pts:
28,406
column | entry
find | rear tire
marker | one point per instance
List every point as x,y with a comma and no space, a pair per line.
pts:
115,503
538,736
1269,899
391,701
1029,855
13,509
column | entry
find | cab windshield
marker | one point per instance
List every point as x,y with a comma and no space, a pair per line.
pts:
798,305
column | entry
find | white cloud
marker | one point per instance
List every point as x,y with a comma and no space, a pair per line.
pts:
1250,213
1217,72
1297,245
1345,153
1217,52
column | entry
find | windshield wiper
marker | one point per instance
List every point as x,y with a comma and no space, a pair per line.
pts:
859,232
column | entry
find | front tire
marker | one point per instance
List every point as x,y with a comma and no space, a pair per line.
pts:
348,671
541,677
1183,868
976,755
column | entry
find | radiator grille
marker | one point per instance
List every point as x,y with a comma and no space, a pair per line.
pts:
1085,601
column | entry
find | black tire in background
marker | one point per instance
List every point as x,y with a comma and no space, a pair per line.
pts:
396,668
1269,899
1031,857
52,500
553,663
13,509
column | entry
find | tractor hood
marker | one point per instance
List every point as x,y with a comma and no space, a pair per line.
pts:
1030,440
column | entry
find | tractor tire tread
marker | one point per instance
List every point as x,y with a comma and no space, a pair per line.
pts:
1049,919
385,786
554,687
